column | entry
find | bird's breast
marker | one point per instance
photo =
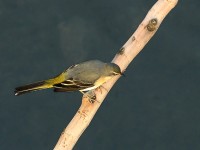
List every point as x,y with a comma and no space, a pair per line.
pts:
98,83
102,80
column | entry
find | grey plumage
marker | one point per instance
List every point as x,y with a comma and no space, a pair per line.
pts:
83,77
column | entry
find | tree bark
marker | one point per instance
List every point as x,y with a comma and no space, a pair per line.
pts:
125,55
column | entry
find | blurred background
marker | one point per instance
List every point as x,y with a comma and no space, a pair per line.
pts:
155,107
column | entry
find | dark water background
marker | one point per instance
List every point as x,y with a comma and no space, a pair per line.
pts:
155,107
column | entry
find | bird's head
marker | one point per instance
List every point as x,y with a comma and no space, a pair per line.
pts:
113,69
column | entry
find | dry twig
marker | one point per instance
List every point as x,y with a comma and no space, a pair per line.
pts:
132,47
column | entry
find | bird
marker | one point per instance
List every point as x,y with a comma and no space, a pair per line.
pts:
82,77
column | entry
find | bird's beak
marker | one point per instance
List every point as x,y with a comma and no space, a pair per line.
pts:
122,74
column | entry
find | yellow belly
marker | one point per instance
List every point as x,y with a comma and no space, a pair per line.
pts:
98,83
102,80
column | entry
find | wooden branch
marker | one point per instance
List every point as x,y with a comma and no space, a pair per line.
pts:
132,47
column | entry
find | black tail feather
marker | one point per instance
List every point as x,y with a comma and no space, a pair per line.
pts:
29,88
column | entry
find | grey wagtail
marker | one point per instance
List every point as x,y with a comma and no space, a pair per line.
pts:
81,77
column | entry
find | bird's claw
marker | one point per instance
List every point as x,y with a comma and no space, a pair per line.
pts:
91,96
92,99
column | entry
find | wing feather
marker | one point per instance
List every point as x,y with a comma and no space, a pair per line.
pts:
71,85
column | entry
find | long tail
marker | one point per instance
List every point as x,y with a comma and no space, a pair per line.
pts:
33,87
40,85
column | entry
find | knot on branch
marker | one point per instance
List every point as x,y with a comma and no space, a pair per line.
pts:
152,25
121,51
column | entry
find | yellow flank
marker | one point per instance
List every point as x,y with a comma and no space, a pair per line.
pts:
98,83
102,80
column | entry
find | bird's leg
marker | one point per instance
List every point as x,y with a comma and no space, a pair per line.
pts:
99,88
90,95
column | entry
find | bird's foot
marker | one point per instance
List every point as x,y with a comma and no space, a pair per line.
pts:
91,96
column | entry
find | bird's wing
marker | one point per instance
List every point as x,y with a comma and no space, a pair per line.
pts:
71,85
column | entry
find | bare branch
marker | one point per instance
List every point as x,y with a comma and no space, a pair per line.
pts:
126,54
